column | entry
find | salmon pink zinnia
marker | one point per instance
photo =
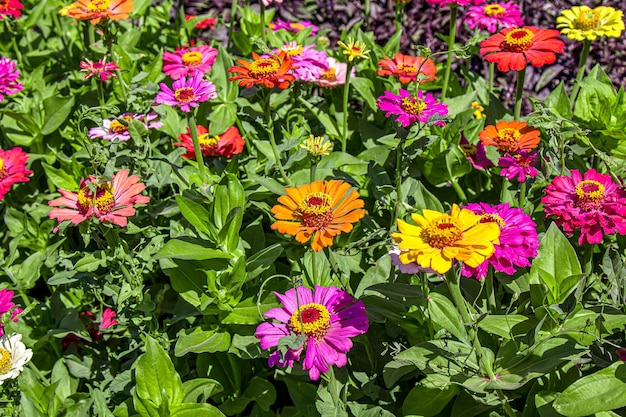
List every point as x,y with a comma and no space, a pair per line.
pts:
187,92
406,68
186,62
12,169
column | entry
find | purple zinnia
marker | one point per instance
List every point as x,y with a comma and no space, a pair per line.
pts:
518,165
187,92
8,78
309,64
294,27
115,129
475,153
494,17
328,317
411,109
518,239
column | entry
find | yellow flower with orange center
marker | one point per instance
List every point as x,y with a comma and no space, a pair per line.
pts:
510,136
584,23
354,49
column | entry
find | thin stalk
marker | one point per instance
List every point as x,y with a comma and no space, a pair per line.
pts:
399,17
262,21
346,93
522,195
582,63
312,172
451,38
191,122
491,296
100,87
519,92
492,72
399,167
367,15
233,16
270,133
458,189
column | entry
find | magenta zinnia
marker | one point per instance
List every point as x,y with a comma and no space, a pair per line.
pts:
8,78
12,169
494,17
592,203
308,63
108,201
101,68
118,128
518,166
7,305
518,239
186,62
411,109
444,3
326,317
187,92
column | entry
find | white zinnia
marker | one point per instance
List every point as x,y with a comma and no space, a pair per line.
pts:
13,356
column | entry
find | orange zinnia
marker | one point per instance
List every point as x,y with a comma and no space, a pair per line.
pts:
322,209
406,68
97,10
510,136
271,71
514,48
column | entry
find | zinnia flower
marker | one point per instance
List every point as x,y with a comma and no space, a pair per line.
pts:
322,210
335,75
317,146
510,136
208,22
444,3
406,68
308,63
187,92
12,169
118,128
518,166
584,23
97,10
108,201
592,203
294,27
8,78
439,238
478,110
6,305
89,319
186,62
266,3
475,153
410,268
354,49
13,356
10,8
108,319
228,144
494,17
518,239
514,48
273,71
621,354
326,318
100,68
411,109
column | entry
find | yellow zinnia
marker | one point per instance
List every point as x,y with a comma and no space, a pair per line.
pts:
584,23
439,238
354,49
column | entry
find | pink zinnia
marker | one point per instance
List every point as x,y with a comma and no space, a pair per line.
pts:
12,169
187,62
592,203
518,166
108,319
335,75
444,3
327,317
10,8
494,17
309,64
6,305
115,129
268,2
109,201
294,27
411,109
187,92
475,153
518,239
8,78
100,68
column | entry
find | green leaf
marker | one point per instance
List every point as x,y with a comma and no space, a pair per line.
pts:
447,166
200,341
376,274
558,101
195,214
259,390
445,314
603,390
57,110
365,88
428,398
90,262
195,410
506,326
324,119
200,389
263,260
181,249
222,117
60,178
543,404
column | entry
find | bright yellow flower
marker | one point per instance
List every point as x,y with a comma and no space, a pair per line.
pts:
478,110
354,49
582,23
439,238
317,146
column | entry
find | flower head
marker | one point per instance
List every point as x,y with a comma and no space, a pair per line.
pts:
518,239
98,10
8,78
272,71
335,75
317,146
118,128
228,144
514,48
510,136
326,318
186,62
444,3
354,49
268,2
294,27
440,238
208,22
108,319
308,63
100,68
409,268
407,68
321,210
7,305
411,109
592,203
584,23
475,153
187,92
494,17
518,166
13,356
12,169
478,110
10,8
109,201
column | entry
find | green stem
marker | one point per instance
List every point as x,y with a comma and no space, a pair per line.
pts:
233,16
270,133
262,21
344,126
451,38
491,297
312,172
367,15
522,195
398,18
519,92
191,122
100,87
399,160
492,71
582,63
458,189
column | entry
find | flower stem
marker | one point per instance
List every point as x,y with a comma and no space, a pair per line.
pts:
270,133
312,172
399,167
491,297
367,15
492,71
262,20
451,38
399,17
191,122
100,88
582,63
458,189
522,195
233,16
346,93
519,91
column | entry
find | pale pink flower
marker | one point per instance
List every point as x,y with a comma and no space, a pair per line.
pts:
335,75
100,68
115,129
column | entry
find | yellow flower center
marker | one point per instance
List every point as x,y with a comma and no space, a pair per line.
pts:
192,59
589,194
329,75
316,210
206,141
5,361
494,10
493,218
311,319
587,20
264,67
518,40
1,164
468,149
442,231
184,94
413,105
117,127
407,67
102,200
293,50
508,139
317,146
98,5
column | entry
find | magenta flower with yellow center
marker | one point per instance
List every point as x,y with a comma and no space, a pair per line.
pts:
12,169
494,17
186,62
187,92
410,108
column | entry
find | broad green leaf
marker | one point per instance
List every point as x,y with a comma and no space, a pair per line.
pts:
60,178
222,117
195,410
376,274
57,110
365,88
262,260
181,249
259,390
558,101
506,325
543,404
447,166
199,389
195,214
445,315
368,410
201,341
428,398
90,262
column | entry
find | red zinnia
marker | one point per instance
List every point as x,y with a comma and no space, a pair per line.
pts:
12,169
272,71
514,48
406,68
228,144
